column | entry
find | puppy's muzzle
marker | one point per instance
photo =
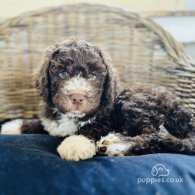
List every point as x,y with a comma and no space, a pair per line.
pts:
77,100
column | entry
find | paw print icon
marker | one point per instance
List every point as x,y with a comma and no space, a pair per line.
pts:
159,170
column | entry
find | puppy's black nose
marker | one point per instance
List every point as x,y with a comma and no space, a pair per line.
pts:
77,99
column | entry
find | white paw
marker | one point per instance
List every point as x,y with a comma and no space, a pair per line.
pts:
109,139
12,127
117,149
112,145
76,147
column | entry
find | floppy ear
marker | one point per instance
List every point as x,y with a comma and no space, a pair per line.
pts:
109,91
43,81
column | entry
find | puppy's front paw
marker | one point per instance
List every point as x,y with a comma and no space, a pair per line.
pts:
113,145
12,127
76,147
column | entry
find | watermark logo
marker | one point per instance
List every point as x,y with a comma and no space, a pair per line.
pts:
159,170
159,174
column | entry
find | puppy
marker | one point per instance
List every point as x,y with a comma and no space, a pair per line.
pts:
84,102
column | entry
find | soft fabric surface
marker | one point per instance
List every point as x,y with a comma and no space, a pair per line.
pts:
29,165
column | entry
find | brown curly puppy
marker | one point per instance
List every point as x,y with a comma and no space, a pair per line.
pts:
85,103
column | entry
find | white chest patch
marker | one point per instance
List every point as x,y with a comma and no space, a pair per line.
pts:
63,127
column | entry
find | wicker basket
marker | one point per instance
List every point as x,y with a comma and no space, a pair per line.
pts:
141,50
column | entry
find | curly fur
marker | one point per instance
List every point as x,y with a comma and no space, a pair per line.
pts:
142,119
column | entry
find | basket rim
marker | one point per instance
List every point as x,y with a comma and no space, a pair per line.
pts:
173,48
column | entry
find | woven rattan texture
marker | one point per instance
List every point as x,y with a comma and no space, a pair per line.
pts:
140,49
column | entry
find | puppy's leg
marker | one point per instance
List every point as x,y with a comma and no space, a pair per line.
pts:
22,126
119,145
76,147
115,144
165,142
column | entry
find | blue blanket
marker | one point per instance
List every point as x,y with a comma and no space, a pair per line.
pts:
29,165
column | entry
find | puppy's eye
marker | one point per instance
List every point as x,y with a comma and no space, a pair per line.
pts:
92,76
64,75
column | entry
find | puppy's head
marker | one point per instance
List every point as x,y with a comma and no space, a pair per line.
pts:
76,78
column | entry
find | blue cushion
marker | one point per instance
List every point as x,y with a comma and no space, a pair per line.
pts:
29,165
